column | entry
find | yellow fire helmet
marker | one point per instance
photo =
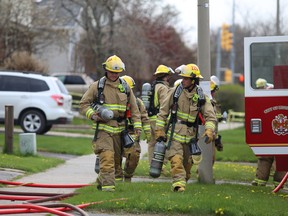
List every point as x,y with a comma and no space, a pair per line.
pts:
114,64
129,80
162,69
177,82
190,70
261,83
214,83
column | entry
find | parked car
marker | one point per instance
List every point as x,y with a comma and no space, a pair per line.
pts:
39,101
75,83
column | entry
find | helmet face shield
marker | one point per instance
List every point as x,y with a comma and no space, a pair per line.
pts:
214,83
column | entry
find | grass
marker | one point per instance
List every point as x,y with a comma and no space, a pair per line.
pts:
157,198
56,144
29,164
198,199
222,171
235,148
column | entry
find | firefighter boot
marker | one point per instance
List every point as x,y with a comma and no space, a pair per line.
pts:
179,186
258,182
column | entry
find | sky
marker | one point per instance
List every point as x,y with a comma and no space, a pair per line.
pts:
221,12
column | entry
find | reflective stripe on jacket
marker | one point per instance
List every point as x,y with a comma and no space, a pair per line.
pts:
115,100
161,90
186,112
144,116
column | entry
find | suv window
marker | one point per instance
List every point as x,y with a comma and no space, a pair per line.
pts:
22,84
75,80
61,87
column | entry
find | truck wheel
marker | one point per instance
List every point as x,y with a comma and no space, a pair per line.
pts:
33,121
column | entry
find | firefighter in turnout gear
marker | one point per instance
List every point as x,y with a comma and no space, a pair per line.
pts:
186,108
160,88
132,154
265,163
113,94
214,87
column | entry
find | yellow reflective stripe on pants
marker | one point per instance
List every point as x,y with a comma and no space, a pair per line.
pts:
179,184
108,188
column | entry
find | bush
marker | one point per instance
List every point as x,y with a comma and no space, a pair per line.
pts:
231,97
23,61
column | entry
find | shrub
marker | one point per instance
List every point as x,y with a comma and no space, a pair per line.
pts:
23,61
231,97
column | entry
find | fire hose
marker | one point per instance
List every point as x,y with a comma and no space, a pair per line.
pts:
30,208
31,197
44,185
281,183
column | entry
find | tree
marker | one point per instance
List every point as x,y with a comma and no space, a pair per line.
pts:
27,26
140,32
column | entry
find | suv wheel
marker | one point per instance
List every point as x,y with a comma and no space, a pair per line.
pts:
33,121
47,128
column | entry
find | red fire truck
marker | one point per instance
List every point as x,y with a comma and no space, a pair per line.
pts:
266,110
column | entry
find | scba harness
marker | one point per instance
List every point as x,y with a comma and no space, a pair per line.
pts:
101,84
100,100
199,96
152,110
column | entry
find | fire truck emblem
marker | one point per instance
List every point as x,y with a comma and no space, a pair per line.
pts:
280,125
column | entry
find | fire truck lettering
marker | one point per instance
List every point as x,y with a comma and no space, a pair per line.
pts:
283,107
268,110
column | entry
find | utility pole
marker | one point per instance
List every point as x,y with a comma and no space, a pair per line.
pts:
278,31
205,169
232,52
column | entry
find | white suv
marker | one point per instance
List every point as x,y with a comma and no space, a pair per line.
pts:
39,101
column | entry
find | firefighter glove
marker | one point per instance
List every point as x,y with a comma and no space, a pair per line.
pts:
96,118
208,134
218,143
160,135
138,132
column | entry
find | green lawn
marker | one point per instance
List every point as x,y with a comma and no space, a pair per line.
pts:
157,198
198,199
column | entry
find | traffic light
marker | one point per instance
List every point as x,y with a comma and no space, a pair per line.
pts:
241,78
228,75
226,38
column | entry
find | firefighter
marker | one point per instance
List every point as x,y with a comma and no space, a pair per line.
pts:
160,89
132,154
262,84
186,111
214,87
265,163
112,94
